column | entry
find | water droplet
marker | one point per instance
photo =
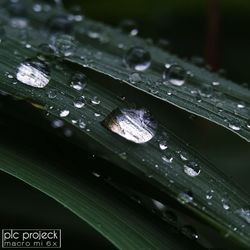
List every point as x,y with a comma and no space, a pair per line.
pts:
52,93
135,78
225,203
57,123
64,45
175,75
163,145
64,113
78,81
248,123
241,105
184,156
136,125
79,102
81,124
244,213
190,232
129,26
19,22
168,157
76,14
137,58
192,169
33,72
215,83
185,198
123,155
95,100
159,205
234,124
209,194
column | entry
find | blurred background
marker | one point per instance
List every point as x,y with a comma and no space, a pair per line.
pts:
212,33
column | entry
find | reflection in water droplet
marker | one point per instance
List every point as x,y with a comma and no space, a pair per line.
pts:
137,58
129,26
79,102
225,203
244,213
136,125
95,100
209,194
135,78
185,197
190,232
168,157
175,75
234,124
192,169
64,113
33,72
163,145
78,81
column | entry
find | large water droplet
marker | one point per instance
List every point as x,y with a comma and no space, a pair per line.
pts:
185,198
175,75
192,169
129,26
137,58
190,232
136,125
244,213
33,72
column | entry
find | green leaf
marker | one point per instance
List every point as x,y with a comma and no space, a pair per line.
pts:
145,161
122,223
205,94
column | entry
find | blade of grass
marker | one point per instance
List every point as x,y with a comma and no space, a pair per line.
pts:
145,161
102,48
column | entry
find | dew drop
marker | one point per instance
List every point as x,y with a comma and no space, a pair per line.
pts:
163,145
244,213
234,124
185,198
137,58
95,100
209,194
79,102
241,105
135,78
64,113
159,205
52,93
175,75
192,169
190,232
168,157
184,156
136,125
81,124
129,26
215,83
78,81
64,45
33,72
47,48
225,203
57,123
